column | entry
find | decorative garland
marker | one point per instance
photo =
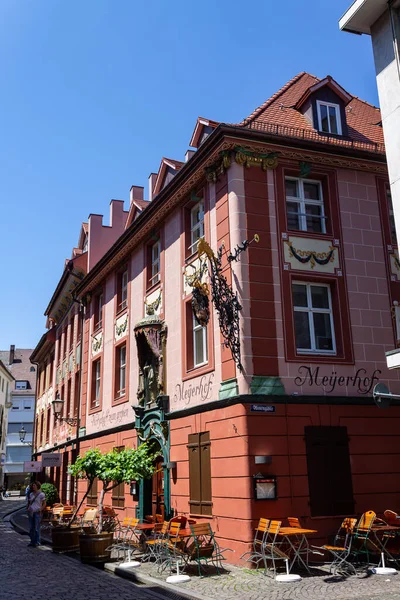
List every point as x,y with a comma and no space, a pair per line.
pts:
120,329
96,343
151,307
312,257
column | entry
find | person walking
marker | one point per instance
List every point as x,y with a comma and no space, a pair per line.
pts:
36,507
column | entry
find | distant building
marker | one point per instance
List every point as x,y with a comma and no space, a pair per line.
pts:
6,380
21,414
381,20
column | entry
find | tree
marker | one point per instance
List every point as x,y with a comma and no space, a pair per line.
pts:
112,468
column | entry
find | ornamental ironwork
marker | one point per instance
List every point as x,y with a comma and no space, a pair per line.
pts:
224,298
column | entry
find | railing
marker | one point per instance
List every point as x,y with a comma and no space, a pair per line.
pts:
309,134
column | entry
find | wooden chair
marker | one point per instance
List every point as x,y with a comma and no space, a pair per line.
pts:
88,519
272,548
57,512
294,522
204,548
160,532
341,548
256,555
362,545
179,519
122,537
392,518
170,548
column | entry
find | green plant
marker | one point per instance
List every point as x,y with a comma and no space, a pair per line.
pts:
112,468
51,493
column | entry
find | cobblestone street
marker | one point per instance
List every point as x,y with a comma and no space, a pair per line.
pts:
27,572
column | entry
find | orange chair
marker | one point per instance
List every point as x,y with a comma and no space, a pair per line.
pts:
341,548
294,522
256,555
179,519
392,518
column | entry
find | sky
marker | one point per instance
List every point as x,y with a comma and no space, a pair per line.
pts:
94,93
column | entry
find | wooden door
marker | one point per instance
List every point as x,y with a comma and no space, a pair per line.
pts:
157,495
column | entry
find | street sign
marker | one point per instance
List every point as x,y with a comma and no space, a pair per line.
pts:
51,460
265,408
32,466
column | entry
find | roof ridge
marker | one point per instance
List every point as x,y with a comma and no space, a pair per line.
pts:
276,95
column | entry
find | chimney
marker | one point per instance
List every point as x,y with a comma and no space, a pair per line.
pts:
136,193
12,355
189,154
152,183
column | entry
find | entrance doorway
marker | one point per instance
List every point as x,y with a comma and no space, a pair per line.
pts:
153,497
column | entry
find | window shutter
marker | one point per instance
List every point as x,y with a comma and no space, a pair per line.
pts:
205,470
92,496
118,496
200,473
194,473
329,471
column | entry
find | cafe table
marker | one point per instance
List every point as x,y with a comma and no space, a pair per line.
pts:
382,534
296,539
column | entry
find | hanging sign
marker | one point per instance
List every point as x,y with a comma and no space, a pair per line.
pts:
32,466
52,460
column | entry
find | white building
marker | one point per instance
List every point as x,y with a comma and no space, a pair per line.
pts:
21,414
381,20
6,380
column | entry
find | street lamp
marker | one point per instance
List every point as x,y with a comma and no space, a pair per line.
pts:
22,433
57,405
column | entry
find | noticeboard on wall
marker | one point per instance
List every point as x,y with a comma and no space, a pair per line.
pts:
265,487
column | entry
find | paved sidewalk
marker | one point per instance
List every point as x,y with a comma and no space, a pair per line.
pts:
37,572
235,583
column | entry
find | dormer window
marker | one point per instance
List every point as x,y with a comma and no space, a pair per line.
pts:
329,117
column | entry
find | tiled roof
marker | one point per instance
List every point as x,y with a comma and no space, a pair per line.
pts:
278,114
20,368
142,204
177,163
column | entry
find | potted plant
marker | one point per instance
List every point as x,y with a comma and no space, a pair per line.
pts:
111,468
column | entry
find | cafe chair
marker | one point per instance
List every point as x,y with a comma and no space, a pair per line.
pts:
341,549
256,555
204,548
272,552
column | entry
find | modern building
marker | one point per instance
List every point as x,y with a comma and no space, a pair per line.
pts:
381,20
6,381
21,414
240,322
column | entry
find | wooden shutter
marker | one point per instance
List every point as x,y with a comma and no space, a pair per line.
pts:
92,496
329,471
200,473
118,496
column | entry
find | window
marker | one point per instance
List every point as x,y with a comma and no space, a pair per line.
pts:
200,473
28,404
48,425
155,263
71,338
329,471
199,343
2,384
32,369
120,375
122,289
21,385
98,310
76,394
304,205
92,493
392,225
329,117
96,383
313,320
196,225
16,404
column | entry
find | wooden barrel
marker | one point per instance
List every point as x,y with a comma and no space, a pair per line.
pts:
93,547
65,539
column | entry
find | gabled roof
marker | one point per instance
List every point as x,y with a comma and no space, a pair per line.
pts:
278,114
83,232
166,163
328,81
137,206
198,130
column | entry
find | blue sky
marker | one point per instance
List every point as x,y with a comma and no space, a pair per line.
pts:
94,93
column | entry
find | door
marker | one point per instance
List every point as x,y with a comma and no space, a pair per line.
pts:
157,493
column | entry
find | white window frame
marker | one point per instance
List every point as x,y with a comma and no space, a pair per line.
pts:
97,383
337,114
122,369
21,384
310,310
98,324
196,225
302,202
124,289
155,263
197,327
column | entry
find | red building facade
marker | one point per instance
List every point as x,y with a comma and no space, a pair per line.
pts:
250,366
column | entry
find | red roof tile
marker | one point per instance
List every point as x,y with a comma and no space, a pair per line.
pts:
278,110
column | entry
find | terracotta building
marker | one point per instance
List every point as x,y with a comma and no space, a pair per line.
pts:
241,320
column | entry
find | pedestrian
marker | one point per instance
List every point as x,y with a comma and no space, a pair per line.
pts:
36,507
27,494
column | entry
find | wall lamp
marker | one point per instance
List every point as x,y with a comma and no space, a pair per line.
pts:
57,405
22,433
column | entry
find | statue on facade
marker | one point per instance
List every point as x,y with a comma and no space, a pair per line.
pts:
150,336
